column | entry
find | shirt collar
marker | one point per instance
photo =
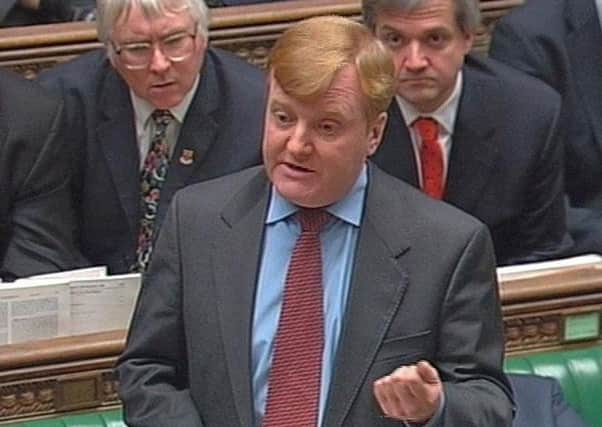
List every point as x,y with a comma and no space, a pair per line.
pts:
348,209
143,109
445,114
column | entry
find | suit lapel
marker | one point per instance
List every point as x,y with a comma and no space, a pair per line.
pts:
474,144
377,287
116,135
243,218
396,155
584,39
197,134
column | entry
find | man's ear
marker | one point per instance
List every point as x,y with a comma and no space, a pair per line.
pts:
469,37
375,132
111,56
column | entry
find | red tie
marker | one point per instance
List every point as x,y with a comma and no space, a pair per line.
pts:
294,381
431,157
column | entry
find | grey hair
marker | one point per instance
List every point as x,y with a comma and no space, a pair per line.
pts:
109,11
468,14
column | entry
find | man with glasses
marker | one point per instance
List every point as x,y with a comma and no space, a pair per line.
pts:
156,111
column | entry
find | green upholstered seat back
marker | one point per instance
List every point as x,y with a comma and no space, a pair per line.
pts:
579,373
93,419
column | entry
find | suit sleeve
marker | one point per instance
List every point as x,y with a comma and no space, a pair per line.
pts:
511,44
5,7
153,368
545,220
564,414
471,342
41,237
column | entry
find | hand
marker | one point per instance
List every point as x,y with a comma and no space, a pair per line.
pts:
410,393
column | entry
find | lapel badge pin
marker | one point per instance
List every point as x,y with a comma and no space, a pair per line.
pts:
187,157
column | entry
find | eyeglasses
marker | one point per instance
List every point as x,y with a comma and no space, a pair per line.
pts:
138,55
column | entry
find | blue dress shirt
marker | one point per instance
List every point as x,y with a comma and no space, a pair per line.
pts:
339,240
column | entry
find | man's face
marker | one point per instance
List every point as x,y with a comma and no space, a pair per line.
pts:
163,83
429,49
314,152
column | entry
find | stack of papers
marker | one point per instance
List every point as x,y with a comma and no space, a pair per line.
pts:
67,303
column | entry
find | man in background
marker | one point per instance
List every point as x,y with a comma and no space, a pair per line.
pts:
472,132
36,216
558,41
317,290
154,111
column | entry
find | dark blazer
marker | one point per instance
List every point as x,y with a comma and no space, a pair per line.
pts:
12,14
36,218
423,287
505,165
223,126
540,403
558,41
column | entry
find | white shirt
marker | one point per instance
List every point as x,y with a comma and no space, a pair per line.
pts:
145,125
445,116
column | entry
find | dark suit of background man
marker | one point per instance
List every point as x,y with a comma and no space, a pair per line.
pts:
498,129
156,58
36,219
558,41
541,403
407,320
29,12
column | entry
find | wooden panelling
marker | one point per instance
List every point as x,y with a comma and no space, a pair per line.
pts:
544,311
249,31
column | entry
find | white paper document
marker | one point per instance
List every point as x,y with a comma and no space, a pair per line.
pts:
30,312
103,304
66,303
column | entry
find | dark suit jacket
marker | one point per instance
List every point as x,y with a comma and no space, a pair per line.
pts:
558,41
505,165
36,219
540,403
423,287
12,14
223,126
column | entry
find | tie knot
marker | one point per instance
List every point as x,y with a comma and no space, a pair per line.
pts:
427,128
312,219
162,117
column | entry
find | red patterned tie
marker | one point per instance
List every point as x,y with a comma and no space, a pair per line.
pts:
431,157
152,177
294,382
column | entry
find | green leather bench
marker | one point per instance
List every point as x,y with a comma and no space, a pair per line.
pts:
111,418
579,373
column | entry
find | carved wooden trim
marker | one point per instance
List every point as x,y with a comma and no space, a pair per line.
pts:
59,375
33,398
64,374
248,31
